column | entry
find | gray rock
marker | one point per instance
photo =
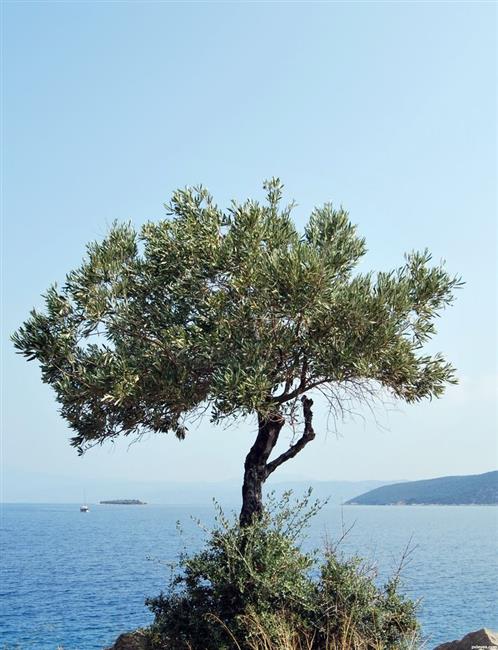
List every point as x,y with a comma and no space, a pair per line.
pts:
481,640
136,640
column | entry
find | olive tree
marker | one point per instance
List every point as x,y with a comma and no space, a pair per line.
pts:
234,313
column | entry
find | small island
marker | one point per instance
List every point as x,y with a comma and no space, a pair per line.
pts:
124,502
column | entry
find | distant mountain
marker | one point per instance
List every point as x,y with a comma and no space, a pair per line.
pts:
30,487
447,490
336,492
229,492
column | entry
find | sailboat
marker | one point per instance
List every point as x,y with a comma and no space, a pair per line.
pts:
84,507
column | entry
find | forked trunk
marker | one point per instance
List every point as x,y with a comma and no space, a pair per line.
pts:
256,469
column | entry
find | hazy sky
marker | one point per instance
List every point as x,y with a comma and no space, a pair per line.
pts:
387,108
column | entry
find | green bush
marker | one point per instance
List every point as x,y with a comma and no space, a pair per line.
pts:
253,588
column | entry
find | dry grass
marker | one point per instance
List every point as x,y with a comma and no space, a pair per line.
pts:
285,636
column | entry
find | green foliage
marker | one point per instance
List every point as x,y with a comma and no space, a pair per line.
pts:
372,617
253,588
234,311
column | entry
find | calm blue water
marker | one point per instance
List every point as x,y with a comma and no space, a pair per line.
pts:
78,580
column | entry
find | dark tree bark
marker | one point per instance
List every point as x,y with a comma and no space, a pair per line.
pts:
255,471
256,466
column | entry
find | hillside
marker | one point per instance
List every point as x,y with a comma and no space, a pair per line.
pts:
447,490
30,487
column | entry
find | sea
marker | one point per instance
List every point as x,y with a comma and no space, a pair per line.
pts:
76,580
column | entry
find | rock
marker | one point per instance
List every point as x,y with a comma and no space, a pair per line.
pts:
481,640
136,640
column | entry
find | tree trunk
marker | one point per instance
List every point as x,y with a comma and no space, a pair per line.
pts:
255,467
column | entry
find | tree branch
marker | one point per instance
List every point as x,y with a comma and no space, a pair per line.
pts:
281,399
285,396
307,436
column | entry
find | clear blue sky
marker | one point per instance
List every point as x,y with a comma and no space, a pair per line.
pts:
387,108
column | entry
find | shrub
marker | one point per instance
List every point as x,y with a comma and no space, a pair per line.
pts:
254,588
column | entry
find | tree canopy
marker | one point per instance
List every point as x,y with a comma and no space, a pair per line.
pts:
233,312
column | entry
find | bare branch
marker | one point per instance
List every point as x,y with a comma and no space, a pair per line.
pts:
308,435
